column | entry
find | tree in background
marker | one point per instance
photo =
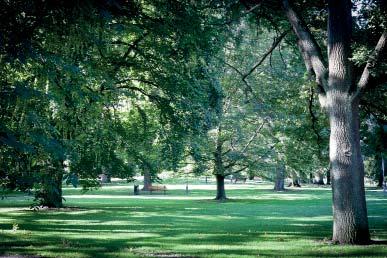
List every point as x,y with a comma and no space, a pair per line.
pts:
340,96
72,63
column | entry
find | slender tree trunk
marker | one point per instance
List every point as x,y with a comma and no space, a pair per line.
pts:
219,169
379,171
319,179
58,196
147,179
220,190
380,179
296,182
105,176
280,178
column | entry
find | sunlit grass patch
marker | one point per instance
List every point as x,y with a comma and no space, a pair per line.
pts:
255,221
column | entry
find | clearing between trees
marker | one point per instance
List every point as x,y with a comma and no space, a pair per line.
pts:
112,222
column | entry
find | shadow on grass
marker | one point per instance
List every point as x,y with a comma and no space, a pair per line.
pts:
185,228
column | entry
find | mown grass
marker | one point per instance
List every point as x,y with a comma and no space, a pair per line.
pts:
111,222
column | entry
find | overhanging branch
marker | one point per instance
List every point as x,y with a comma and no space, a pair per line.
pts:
268,52
253,137
311,51
371,63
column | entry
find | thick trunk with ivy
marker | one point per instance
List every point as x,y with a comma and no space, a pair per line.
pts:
279,184
147,179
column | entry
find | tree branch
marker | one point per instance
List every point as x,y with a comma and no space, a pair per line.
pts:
131,47
311,51
371,63
138,80
253,137
239,170
248,86
313,117
229,21
230,165
268,52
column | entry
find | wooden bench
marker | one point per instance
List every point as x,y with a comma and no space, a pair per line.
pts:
158,188
240,179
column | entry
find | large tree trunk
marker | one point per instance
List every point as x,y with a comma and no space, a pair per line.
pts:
340,96
220,190
350,221
279,184
147,179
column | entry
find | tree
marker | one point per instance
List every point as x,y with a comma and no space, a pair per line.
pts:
273,84
340,95
74,63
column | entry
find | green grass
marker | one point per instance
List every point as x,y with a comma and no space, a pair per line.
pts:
111,222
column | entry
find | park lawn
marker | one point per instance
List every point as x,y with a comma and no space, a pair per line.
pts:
111,222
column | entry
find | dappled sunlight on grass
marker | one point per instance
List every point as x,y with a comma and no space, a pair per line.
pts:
157,197
288,197
255,221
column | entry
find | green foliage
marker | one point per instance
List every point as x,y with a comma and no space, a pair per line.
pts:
116,87
63,83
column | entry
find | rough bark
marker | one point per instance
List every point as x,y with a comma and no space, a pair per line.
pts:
340,98
147,179
279,184
308,46
350,221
